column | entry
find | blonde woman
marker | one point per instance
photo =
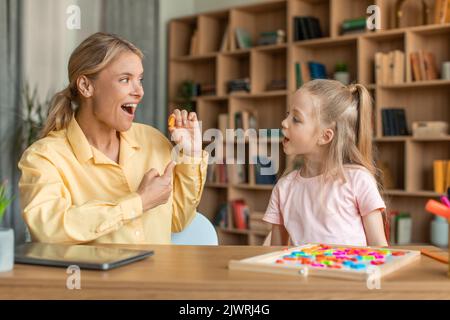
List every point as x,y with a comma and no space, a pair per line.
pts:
97,177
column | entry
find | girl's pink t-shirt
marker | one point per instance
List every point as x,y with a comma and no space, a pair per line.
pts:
313,211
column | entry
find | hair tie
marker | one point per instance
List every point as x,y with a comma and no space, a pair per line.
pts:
353,88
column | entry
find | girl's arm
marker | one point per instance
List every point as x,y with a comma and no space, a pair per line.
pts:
374,227
280,236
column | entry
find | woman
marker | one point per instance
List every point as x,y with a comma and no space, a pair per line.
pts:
95,176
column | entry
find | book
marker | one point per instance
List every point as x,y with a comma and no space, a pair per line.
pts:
244,39
317,70
264,177
439,176
423,73
272,37
354,24
398,67
225,40
240,214
221,218
415,66
379,67
194,48
430,65
442,11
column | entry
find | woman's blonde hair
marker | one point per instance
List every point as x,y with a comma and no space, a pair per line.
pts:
347,110
88,59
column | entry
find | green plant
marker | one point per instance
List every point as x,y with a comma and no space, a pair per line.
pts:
186,93
341,67
33,116
5,201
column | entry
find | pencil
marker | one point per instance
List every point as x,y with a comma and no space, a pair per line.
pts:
434,256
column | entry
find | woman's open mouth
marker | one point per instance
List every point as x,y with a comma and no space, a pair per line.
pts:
129,109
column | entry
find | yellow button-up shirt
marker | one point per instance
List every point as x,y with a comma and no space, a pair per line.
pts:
70,192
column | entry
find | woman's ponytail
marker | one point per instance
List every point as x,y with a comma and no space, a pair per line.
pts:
59,113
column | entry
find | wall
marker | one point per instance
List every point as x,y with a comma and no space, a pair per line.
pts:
48,43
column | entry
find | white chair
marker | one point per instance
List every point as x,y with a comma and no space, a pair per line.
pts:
200,232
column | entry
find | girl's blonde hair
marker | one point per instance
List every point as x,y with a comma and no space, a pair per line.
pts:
88,59
347,110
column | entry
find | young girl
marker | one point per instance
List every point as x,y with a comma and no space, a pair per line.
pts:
333,198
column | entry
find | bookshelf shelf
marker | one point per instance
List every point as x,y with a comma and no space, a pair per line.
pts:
408,160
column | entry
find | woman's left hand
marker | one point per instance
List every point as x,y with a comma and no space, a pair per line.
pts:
186,132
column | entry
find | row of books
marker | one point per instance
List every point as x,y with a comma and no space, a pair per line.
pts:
390,67
243,39
307,71
217,173
423,65
394,122
442,11
239,85
441,175
237,215
307,27
197,89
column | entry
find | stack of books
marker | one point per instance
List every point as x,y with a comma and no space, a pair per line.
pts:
390,67
394,122
351,26
423,65
307,71
306,27
272,37
239,85
280,84
441,174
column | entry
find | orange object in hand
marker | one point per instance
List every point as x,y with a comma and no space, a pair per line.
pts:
171,121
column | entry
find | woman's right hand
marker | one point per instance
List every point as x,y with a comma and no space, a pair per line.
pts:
155,189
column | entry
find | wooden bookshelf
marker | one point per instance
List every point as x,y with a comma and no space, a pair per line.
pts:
410,159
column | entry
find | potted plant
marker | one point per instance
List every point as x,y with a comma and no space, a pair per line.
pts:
341,73
6,235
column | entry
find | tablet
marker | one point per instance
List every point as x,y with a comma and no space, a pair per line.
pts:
83,256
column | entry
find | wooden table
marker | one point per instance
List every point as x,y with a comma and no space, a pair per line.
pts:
190,272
